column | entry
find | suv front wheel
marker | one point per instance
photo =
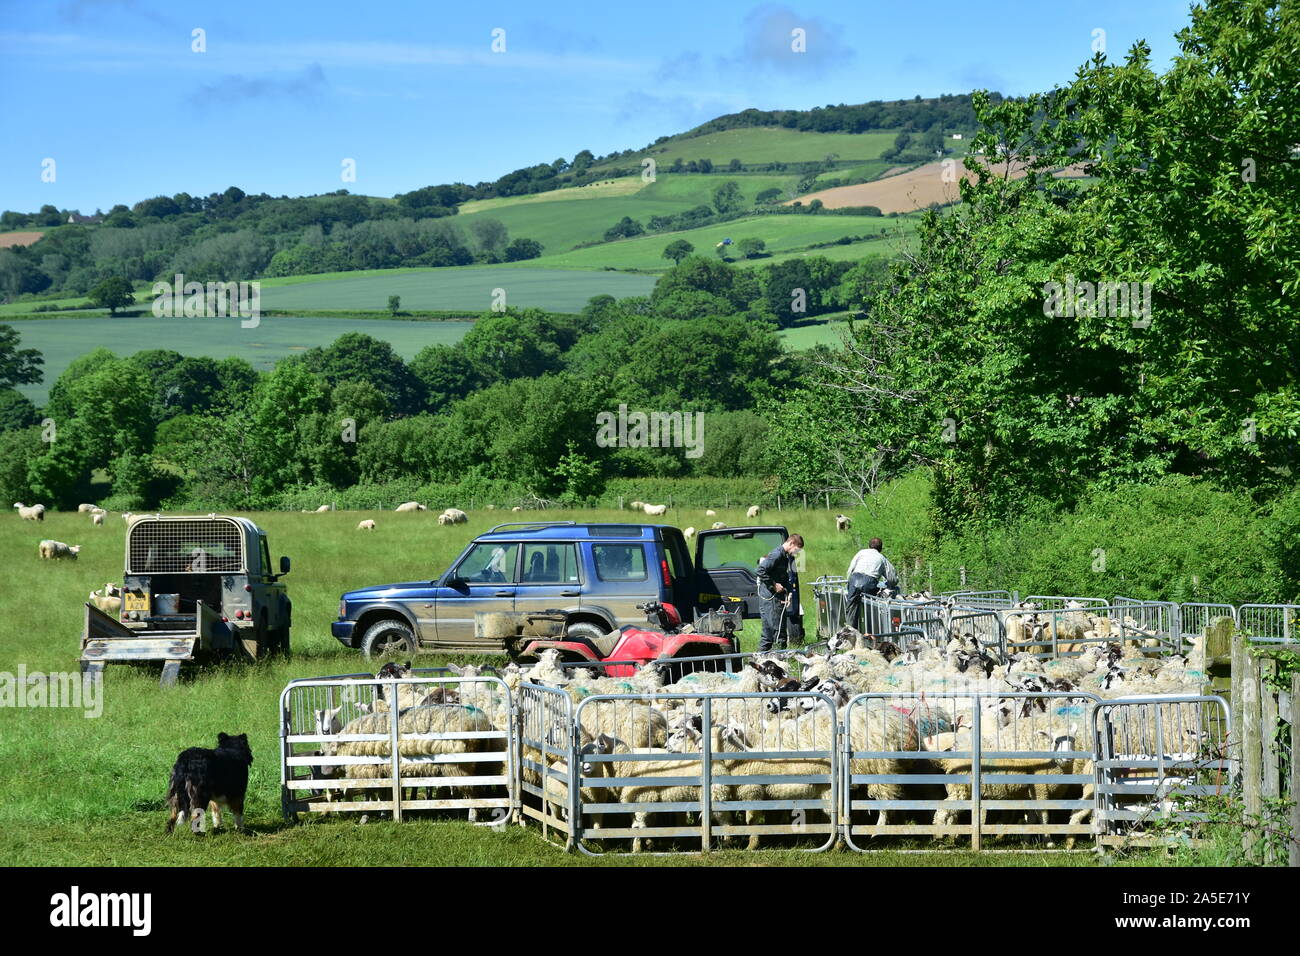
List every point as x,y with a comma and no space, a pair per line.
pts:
388,638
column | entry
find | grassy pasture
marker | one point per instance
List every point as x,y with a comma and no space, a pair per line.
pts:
761,144
62,340
91,790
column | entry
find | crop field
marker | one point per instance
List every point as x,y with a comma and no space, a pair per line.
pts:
784,235
468,288
91,789
62,340
763,145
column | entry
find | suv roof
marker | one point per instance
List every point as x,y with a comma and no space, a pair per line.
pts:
571,531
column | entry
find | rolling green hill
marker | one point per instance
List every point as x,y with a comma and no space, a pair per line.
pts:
761,145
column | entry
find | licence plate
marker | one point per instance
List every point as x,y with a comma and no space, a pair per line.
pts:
135,602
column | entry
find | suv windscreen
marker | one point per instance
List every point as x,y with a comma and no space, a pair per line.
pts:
489,564
721,550
619,562
550,563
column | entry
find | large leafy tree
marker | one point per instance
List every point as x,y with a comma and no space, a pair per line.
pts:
964,362
17,366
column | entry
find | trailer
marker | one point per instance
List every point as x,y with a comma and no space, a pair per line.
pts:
193,589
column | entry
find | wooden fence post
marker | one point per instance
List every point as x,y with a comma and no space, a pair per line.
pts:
1270,784
1245,684
1294,717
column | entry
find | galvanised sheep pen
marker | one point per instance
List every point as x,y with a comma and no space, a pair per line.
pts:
855,739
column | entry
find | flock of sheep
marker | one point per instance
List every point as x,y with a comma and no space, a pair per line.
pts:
937,688
51,550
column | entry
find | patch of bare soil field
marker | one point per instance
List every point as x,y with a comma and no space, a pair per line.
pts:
8,239
912,190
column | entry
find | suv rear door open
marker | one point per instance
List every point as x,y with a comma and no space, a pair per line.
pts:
726,564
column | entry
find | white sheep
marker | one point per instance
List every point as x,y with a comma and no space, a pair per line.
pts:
843,522
83,508
689,534
454,516
752,511
322,509
96,519
109,600
30,512
636,505
710,513
717,524
367,525
52,550
655,510
410,506
516,508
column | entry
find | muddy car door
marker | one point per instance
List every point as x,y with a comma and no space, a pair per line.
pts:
726,565
482,580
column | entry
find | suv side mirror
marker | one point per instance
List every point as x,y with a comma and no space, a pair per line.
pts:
284,564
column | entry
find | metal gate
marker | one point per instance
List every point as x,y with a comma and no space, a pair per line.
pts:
545,759
986,626
733,775
1063,632
904,762
359,743
1270,623
988,600
1159,619
1194,619
1155,757
830,593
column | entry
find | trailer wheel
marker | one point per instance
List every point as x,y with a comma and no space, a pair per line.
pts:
388,638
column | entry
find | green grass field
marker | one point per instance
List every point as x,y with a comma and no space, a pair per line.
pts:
91,790
762,145
62,340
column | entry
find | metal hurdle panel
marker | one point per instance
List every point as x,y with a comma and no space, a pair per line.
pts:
1049,602
1151,624
1194,619
1162,617
987,627
546,764
998,762
634,794
882,615
313,775
1155,757
1270,623
986,600
830,593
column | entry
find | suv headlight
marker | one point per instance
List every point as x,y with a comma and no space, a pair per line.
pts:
343,609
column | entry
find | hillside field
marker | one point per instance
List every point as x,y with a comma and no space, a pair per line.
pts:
91,790
762,144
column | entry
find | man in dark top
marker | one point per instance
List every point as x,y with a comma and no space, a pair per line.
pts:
778,595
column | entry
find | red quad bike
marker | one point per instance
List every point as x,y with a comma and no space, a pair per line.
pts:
631,646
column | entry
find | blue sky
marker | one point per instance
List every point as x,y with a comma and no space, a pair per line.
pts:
414,94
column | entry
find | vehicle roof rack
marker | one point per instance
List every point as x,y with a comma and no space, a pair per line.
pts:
531,525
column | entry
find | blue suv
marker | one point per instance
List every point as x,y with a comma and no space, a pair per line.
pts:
595,574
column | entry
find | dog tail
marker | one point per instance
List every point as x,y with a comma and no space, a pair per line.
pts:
178,797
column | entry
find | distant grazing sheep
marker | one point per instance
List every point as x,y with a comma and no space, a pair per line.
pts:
688,534
843,522
710,513
752,511
367,525
516,508
636,505
717,525
97,518
455,516
322,508
83,508
52,550
410,506
655,509
30,512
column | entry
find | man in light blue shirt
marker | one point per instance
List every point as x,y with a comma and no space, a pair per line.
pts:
867,570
